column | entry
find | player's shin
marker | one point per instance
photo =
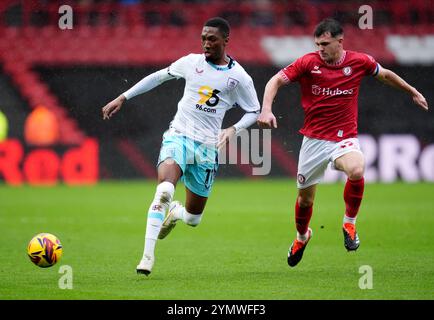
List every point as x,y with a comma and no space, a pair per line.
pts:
156,214
353,195
302,219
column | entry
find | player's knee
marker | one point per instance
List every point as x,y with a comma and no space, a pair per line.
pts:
356,173
164,193
192,220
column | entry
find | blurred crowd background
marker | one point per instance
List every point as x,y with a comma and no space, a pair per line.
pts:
181,13
54,81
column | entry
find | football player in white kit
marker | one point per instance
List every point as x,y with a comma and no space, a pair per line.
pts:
214,83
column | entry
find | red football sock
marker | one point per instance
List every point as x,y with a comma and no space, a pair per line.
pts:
302,218
353,195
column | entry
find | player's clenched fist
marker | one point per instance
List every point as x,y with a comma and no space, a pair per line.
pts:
267,120
112,107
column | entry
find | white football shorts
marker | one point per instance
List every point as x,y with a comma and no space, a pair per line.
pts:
316,154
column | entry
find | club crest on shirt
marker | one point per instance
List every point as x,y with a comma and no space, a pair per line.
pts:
232,83
347,71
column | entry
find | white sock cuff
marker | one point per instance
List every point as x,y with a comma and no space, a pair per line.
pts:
192,219
303,237
349,220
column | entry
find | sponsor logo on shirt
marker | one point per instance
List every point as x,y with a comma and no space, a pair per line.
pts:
209,97
317,90
316,70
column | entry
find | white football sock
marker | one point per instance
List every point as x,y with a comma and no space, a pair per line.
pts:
349,220
191,219
156,214
303,237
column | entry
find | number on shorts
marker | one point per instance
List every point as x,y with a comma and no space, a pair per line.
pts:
210,173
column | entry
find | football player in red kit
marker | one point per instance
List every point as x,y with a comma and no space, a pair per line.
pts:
330,80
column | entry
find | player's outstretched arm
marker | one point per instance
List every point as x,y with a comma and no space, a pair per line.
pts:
112,107
147,83
266,118
392,79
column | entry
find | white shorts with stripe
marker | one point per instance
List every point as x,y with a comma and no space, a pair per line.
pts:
315,155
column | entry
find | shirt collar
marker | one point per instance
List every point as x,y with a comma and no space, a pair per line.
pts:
230,65
337,62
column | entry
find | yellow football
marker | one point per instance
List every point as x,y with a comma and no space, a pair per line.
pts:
44,250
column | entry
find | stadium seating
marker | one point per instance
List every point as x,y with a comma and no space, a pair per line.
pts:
158,32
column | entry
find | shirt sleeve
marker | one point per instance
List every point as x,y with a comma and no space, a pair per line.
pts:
246,121
179,68
294,71
246,96
148,83
371,66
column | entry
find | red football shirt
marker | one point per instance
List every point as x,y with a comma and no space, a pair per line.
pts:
329,92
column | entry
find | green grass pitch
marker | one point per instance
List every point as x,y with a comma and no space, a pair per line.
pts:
238,252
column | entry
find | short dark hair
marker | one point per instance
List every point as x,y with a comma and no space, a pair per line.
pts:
220,24
328,25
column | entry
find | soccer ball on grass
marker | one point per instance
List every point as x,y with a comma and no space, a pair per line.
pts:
44,250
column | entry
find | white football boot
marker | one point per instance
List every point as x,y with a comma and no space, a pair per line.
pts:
169,222
145,265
